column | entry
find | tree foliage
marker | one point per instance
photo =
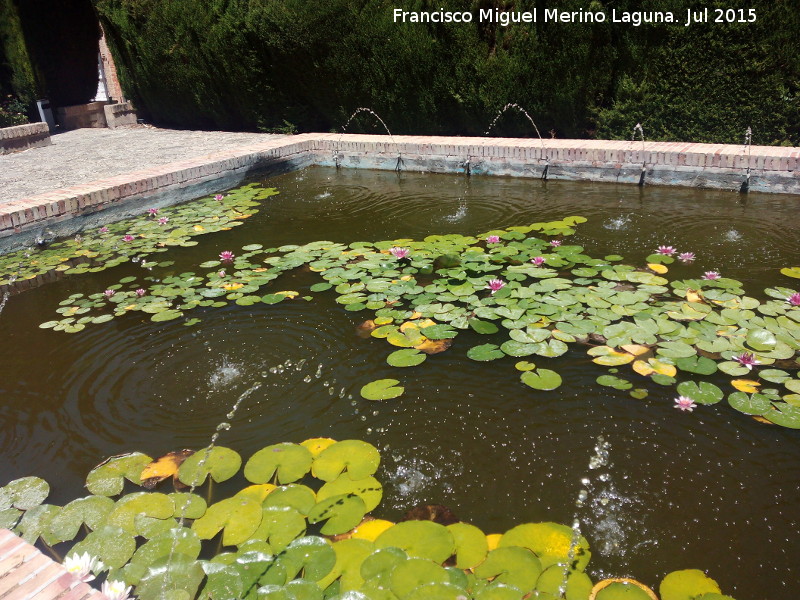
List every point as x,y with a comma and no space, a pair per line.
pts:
260,64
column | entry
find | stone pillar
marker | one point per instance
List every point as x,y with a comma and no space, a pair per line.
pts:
110,70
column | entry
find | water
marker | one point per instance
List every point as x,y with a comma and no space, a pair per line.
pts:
685,490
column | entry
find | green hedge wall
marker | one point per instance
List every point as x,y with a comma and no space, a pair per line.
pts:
16,71
259,64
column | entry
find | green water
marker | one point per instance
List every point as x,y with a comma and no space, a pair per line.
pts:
713,489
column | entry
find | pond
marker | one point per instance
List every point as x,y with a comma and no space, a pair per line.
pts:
712,489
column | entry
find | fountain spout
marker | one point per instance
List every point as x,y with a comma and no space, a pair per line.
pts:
337,155
748,139
638,127
513,105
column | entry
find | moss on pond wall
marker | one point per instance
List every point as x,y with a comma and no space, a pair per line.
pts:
259,64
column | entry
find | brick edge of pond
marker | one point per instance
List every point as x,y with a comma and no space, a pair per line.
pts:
27,574
716,166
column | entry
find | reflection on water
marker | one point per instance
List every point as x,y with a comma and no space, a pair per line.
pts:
711,489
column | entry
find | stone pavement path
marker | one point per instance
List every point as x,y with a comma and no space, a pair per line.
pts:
85,155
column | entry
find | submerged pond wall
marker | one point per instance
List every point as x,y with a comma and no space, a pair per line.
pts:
68,211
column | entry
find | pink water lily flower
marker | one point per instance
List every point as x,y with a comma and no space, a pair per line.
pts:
219,197
493,239
220,274
140,292
666,250
398,252
152,211
104,229
538,261
686,257
226,256
555,243
711,275
115,590
109,293
684,403
163,221
747,359
495,284
128,238
794,299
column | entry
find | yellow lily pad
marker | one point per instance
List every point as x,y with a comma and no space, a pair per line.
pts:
748,386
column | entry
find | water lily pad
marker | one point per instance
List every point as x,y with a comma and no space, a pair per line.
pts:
108,478
747,386
359,459
614,382
341,513
112,545
754,404
761,340
471,545
687,585
578,584
285,462
485,352
162,548
791,272
702,393
218,462
368,489
407,357
90,510
699,365
299,497
410,574
317,445
619,590
382,389
785,415
239,517
483,327
421,539
188,506
127,508
350,554
176,579
311,555
551,542
511,565
541,379
609,357
26,492
279,526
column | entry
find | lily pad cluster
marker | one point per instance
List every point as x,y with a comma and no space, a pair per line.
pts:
158,230
298,528
529,292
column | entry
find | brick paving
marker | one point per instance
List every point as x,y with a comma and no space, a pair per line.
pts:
84,155
27,574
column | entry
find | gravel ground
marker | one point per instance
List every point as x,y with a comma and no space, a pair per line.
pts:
85,155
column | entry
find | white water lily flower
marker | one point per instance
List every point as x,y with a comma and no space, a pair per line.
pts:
115,590
83,566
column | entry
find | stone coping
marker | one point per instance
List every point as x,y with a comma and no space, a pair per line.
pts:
27,574
771,169
22,137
